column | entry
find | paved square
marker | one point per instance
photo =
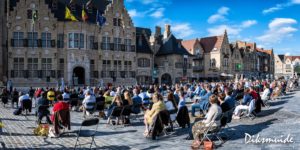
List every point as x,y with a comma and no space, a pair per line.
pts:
282,118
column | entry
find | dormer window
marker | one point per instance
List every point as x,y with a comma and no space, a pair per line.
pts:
197,51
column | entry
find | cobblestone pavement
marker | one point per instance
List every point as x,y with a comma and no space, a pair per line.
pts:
282,118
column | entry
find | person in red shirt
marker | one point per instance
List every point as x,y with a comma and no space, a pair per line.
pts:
253,93
60,105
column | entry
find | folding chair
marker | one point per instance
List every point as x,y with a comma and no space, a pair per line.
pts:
115,113
267,101
89,133
250,112
91,108
154,127
126,111
212,130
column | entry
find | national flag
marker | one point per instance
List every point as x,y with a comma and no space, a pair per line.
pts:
34,16
84,16
100,19
69,15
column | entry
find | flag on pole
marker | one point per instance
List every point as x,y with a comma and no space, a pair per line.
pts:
34,18
100,19
84,16
69,15
88,4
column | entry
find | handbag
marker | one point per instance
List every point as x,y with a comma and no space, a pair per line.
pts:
196,144
208,145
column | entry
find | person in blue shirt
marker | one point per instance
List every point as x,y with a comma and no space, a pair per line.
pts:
203,102
229,102
181,102
137,102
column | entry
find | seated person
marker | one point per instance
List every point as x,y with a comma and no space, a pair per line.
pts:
127,99
156,108
66,95
244,104
214,112
42,108
86,103
117,102
171,105
203,102
60,105
266,93
137,102
228,102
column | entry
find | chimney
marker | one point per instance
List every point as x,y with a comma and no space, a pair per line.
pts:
157,31
167,31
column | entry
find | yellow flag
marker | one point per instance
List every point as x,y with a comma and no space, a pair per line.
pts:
69,15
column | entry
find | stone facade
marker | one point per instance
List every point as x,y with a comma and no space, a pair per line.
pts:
287,66
3,40
107,53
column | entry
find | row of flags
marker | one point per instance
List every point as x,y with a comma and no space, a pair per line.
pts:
100,19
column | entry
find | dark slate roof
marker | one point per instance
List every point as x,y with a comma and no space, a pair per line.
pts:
171,46
142,44
281,57
59,12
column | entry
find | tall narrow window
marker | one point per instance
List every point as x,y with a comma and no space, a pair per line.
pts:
117,44
60,41
61,67
46,40
32,66
46,67
18,38
18,66
32,39
76,40
92,68
105,43
127,43
91,41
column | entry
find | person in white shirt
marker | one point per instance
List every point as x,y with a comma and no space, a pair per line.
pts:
88,100
266,94
213,114
23,97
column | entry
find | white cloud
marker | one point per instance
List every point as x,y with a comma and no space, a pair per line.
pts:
287,54
182,30
219,16
248,23
218,30
279,22
133,13
279,28
296,1
158,13
280,6
233,30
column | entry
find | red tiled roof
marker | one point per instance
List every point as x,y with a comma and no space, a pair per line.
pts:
269,52
189,44
209,43
292,58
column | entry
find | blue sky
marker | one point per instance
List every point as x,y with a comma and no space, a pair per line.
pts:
270,23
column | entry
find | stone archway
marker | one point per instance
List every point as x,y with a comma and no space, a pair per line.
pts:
78,76
166,79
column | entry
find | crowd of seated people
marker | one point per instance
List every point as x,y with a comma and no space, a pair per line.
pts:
209,100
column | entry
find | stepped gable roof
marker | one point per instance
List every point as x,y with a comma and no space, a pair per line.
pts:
142,43
59,11
172,46
209,43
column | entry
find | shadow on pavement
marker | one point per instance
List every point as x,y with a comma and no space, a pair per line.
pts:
253,129
274,103
151,147
123,147
268,112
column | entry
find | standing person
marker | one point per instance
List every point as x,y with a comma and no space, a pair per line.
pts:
4,96
31,93
15,97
